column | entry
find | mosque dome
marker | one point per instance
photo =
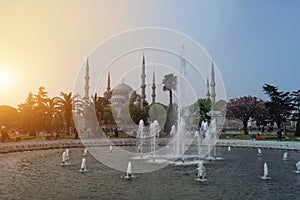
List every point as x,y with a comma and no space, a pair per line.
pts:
121,94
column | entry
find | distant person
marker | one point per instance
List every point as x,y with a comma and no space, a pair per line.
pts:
257,137
18,136
252,137
279,135
116,132
4,134
76,133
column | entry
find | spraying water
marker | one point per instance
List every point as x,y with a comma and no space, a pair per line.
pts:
85,152
83,165
67,154
154,130
285,156
141,135
266,172
63,157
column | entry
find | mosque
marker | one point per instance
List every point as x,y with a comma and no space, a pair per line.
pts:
123,94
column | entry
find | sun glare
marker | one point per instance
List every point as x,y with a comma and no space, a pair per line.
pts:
5,78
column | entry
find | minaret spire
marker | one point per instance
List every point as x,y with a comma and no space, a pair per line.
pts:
143,86
213,84
207,89
108,81
153,87
182,61
87,79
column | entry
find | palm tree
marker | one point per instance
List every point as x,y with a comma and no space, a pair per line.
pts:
170,83
101,106
65,105
52,112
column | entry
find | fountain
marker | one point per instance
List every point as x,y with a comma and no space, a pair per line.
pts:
173,131
85,152
197,136
129,172
285,156
172,134
141,135
212,135
67,154
266,172
154,131
83,165
298,167
63,156
229,149
180,140
259,152
201,172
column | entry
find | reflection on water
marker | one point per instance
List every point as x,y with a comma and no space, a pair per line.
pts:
39,175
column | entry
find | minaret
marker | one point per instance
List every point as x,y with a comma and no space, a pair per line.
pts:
207,89
153,88
213,84
182,62
108,82
108,93
87,79
143,86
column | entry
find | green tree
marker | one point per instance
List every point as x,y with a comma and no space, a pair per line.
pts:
40,115
102,109
28,114
169,84
52,114
65,106
201,108
280,105
136,113
8,116
296,110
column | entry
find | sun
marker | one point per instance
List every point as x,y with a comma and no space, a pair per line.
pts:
5,78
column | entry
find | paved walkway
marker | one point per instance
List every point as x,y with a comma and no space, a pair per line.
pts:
72,143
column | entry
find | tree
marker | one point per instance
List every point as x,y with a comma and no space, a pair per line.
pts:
296,110
244,108
102,109
8,116
170,84
201,107
279,107
132,113
40,101
28,114
52,114
65,106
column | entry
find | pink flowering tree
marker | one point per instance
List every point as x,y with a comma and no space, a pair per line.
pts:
244,108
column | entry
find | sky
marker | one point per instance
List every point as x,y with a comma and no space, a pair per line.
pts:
44,43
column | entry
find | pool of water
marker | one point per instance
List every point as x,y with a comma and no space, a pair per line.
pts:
39,175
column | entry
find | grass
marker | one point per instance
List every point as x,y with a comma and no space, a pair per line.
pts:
263,137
